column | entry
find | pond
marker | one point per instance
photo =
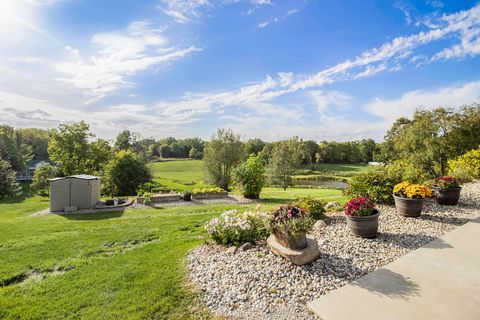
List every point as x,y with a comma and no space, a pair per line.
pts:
320,183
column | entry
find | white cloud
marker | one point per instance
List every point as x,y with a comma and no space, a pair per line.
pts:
263,24
406,12
182,11
120,54
453,96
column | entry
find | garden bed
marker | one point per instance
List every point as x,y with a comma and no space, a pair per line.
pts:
161,198
257,284
210,195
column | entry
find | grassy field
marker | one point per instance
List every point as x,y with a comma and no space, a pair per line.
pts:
179,175
333,171
120,265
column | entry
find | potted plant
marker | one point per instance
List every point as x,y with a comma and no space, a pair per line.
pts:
410,198
289,224
362,217
447,190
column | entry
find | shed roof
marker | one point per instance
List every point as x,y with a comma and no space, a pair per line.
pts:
78,176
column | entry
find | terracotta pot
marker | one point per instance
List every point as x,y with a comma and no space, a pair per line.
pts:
409,207
295,243
364,226
447,196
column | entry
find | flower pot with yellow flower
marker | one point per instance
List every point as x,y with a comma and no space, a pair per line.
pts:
410,198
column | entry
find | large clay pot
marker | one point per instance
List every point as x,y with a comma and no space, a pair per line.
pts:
295,243
364,226
409,207
447,196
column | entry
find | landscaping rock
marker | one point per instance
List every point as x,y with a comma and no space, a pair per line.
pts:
231,250
298,257
320,224
224,278
332,204
247,246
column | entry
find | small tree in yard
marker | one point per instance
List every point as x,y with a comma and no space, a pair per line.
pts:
40,181
8,185
221,155
286,158
250,177
124,173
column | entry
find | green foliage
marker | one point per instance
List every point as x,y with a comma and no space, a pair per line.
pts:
125,173
254,146
234,228
37,139
43,173
466,167
286,158
8,185
376,184
222,153
291,220
346,152
14,149
150,187
250,177
195,153
315,208
124,140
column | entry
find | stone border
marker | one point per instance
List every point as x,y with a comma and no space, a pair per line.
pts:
210,195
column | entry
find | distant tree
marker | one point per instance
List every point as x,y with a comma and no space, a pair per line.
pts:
195,154
254,146
13,149
309,150
368,148
165,151
70,147
222,153
250,177
153,151
38,140
124,140
286,158
125,173
8,184
40,182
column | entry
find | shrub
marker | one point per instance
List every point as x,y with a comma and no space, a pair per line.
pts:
445,182
316,208
187,195
208,190
250,177
412,191
234,228
40,182
375,184
290,219
405,171
466,167
150,187
359,207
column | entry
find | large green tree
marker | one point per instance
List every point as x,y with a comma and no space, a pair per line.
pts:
125,173
222,153
286,158
250,177
14,149
124,140
40,182
38,140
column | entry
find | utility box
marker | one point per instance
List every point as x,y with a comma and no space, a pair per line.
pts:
80,191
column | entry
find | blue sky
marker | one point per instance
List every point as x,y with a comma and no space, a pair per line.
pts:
270,69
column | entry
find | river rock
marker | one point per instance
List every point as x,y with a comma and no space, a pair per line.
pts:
332,204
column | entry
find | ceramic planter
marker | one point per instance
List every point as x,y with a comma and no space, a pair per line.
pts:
363,226
295,243
409,207
447,196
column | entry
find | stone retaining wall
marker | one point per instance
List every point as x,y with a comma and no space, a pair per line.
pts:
212,195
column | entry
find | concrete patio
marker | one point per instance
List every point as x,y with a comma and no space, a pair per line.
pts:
438,281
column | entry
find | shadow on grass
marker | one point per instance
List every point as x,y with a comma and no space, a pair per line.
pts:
388,283
102,215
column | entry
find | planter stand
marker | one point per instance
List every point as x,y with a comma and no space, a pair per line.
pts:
298,257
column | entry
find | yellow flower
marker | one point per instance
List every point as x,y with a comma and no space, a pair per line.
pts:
412,191
400,188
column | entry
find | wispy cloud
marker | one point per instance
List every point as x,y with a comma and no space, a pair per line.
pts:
263,24
120,54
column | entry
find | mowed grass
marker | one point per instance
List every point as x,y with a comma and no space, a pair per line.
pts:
118,265
179,175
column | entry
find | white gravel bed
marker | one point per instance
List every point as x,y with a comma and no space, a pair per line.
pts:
257,284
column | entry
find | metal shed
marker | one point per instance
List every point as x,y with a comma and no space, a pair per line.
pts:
74,193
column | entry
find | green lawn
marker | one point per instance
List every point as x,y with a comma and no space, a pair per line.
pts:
179,175
332,170
118,265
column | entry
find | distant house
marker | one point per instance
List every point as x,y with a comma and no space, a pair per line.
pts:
74,193
27,174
